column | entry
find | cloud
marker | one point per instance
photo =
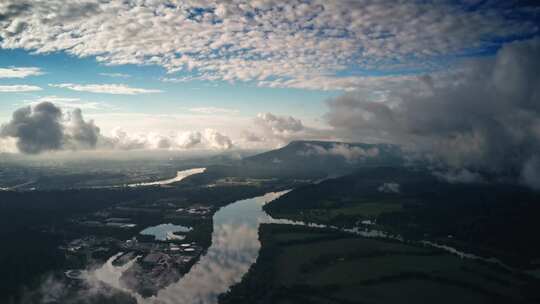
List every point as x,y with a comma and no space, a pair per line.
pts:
279,125
96,284
209,139
43,127
251,137
206,77
80,133
275,43
19,72
531,173
348,152
217,140
389,188
37,129
489,119
121,140
213,110
116,75
18,88
272,131
8,144
189,139
118,89
459,176
71,103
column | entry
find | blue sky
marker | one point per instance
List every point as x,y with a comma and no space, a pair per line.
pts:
244,97
251,71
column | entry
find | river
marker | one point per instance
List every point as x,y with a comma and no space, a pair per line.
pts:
235,247
180,175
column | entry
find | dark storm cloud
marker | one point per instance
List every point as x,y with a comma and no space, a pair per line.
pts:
81,133
489,119
43,128
36,129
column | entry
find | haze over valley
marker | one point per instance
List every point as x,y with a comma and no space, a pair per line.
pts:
348,151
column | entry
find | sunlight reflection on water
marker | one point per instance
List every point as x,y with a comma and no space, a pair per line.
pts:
235,246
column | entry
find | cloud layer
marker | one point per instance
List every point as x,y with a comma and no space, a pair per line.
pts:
117,89
488,120
43,127
348,152
275,43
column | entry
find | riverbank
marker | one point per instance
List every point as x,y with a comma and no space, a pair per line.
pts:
299,264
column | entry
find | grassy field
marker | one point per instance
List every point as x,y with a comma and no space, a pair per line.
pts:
306,265
344,213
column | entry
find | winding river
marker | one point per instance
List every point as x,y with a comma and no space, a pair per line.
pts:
235,247
180,175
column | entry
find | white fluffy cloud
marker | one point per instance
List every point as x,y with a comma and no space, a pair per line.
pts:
282,126
189,139
71,103
18,88
348,152
117,89
276,43
213,110
209,139
216,140
19,72
269,130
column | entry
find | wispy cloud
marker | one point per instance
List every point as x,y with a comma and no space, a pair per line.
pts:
240,41
20,72
19,88
71,103
213,110
115,75
117,89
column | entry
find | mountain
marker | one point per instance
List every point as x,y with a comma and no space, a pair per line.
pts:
325,157
305,160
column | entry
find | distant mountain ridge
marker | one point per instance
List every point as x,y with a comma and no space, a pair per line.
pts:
351,152
326,157
307,160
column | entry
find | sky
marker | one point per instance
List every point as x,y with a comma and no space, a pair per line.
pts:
176,75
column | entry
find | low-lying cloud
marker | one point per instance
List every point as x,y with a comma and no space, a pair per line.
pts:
487,119
44,127
217,140
36,129
280,126
389,187
458,176
348,152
